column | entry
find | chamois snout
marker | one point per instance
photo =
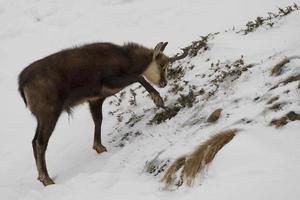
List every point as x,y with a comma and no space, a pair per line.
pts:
164,65
163,84
156,72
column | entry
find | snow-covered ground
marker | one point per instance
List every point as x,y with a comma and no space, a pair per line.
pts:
261,162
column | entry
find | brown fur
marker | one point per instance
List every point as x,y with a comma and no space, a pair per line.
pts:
77,73
194,163
89,73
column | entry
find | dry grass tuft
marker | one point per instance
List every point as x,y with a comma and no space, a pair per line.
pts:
277,69
170,175
214,116
272,100
164,115
195,163
290,116
279,122
277,106
293,116
288,80
291,79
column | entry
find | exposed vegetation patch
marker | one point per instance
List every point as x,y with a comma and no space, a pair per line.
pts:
156,166
198,46
192,50
134,119
214,116
173,176
176,88
226,73
252,25
164,115
256,98
183,101
291,79
273,100
186,168
127,136
277,69
286,81
187,100
270,20
120,117
229,71
176,73
279,122
132,101
291,116
277,106
244,121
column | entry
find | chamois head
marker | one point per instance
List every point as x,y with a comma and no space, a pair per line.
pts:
156,72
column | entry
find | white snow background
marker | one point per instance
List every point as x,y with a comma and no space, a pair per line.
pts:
261,162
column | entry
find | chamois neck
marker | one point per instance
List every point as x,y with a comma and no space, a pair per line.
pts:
139,56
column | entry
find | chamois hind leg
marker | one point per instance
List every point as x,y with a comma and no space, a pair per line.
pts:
96,111
34,141
46,125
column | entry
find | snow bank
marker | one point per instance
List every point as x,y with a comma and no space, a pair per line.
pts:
261,162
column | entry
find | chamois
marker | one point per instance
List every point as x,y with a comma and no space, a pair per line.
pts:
89,73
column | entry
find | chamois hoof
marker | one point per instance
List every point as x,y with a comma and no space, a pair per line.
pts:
99,148
46,180
159,102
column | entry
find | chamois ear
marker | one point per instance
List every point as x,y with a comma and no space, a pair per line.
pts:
163,46
157,50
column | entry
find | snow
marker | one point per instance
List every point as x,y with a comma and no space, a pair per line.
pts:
261,162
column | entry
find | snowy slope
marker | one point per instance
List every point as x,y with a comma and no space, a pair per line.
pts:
261,162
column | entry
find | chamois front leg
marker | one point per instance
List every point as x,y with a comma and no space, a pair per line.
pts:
123,81
153,92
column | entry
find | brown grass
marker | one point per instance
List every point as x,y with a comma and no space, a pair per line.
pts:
277,69
273,100
214,116
290,116
279,122
195,163
291,79
277,106
293,116
288,80
170,176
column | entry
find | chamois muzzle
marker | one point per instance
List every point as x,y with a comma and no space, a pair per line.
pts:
163,83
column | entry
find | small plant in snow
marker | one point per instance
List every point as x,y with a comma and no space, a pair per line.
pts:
134,119
132,101
164,115
184,100
270,20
